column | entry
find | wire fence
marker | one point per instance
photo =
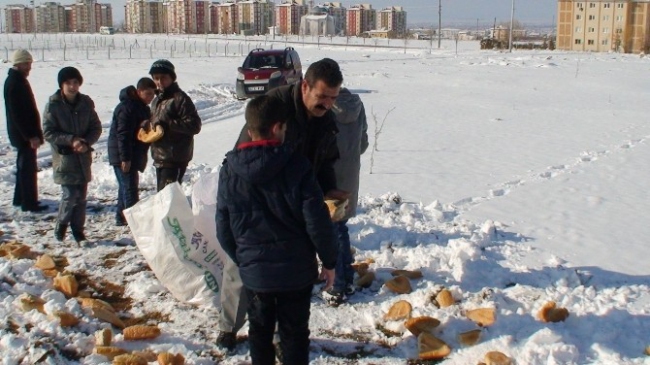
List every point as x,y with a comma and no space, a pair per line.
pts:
74,46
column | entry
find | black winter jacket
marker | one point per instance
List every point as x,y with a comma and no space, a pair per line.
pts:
314,139
271,218
123,143
175,112
23,119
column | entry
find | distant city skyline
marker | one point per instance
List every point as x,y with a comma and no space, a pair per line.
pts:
423,12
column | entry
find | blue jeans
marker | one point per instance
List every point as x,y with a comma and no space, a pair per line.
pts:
127,191
72,209
344,274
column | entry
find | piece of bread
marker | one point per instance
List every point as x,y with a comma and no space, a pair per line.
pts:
109,351
366,280
66,319
103,337
647,350
497,358
400,310
411,274
337,208
399,285
551,313
361,268
151,135
165,358
140,332
432,348
29,302
483,316
20,251
445,299
148,355
129,359
107,316
66,284
96,303
418,325
469,338
45,262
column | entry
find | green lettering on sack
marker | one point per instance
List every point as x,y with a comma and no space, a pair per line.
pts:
211,281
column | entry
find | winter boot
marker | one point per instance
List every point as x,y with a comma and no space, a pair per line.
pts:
59,231
227,340
333,298
79,237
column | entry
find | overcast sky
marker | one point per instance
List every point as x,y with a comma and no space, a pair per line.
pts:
426,11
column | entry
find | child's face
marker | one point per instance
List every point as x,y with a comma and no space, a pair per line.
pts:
70,87
146,95
162,81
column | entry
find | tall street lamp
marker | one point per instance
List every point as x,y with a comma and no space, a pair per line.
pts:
512,20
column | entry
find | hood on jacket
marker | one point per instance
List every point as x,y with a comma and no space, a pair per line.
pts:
260,163
129,93
347,107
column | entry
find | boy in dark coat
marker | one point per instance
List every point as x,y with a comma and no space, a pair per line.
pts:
24,130
126,153
272,221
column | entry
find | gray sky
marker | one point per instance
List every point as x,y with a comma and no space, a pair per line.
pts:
426,11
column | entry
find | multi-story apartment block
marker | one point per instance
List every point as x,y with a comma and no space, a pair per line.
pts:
604,25
360,18
254,16
287,17
179,15
214,17
200,16
392,19
145,16
50,18
103,15
338,12
228,19
19,19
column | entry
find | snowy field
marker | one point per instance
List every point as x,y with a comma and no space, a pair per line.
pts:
510,179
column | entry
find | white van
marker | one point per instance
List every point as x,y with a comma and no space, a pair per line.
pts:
106,30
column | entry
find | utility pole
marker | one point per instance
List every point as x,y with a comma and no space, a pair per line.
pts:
512,21
439,21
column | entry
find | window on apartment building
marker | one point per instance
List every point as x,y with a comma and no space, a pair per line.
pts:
592,5
619,30
619,18
578,41
592,17
607,5
620,5
591,29
578,17
590,42
604,42
578,29
605,17
605,30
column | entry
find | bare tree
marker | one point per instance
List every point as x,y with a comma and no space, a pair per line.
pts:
378,128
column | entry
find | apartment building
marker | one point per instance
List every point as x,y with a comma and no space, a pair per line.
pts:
228,19
604,25
50,18
254,16
287,17
144,16
213,8
360,19
19,19
392,19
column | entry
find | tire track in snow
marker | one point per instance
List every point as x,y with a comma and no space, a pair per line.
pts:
216,102
550,173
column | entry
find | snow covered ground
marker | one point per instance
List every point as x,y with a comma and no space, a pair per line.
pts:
510,179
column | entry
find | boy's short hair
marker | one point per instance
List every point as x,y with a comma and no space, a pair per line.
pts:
262,113
326,70
145,83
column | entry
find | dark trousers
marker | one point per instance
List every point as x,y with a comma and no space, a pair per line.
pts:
291,311
26,191
169,175
343,273
72,210
127,191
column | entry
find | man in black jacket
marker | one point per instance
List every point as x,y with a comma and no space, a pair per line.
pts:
272,221
311,129
24,130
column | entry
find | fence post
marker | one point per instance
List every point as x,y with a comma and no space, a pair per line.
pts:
65,46
225,49
43,54
130,50
151,52
108,49
6,53
87,52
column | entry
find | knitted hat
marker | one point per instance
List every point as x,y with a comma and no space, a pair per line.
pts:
69,73
163,67
21,56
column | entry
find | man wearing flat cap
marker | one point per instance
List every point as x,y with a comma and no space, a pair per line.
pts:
24,130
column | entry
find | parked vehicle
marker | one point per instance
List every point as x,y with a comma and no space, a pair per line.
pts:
106,30
264,70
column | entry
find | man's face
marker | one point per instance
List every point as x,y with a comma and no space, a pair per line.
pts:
162,81
318,99
24,68
147,95
70,88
